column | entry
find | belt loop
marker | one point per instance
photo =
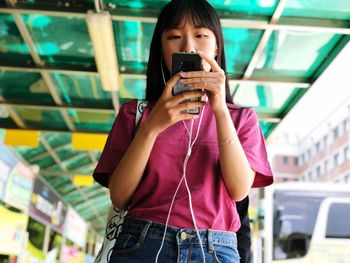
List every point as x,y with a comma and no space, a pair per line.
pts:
145,230
210,241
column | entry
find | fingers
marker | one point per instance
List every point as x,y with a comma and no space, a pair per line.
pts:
201,74
205,86
188,95
211,61
188,105
171,83
209,79
185,107
187,101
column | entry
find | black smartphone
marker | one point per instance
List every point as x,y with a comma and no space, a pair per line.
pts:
182,61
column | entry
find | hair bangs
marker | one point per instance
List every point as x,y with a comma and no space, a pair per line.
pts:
184,10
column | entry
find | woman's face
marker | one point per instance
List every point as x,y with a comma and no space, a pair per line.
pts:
188,38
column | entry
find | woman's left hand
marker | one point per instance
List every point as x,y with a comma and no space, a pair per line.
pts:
212,82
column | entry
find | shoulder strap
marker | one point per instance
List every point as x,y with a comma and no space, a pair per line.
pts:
141,105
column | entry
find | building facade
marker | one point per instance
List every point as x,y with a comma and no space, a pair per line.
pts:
322,155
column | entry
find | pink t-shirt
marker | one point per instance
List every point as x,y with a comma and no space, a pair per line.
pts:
212,205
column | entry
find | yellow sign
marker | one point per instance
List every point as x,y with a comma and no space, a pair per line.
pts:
88,141
83,180
12,231
22,138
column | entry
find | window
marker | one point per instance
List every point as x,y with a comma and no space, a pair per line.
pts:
318,147
309,176
294,218
321,142
308,154
301,160
329,164
326,166
313,151
347,178
285,160
296,161
347,153
322,169
346,125
336,159
339,158
318,171
325,141
338,223
340,130
335,132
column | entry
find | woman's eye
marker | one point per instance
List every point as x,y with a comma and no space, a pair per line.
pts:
201,36
173,37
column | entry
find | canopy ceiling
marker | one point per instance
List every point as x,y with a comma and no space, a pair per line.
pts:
49,80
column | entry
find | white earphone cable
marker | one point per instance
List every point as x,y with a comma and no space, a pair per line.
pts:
189,152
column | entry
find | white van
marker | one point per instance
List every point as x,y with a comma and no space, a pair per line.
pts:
307,222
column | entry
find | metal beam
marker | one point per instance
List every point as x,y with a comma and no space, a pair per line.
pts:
50,172
24,11
74,194
94,193
51,130
262,116
71,158
97,192
314,25
103,207
56,107
227,19
264,40
92,158
45,154
82,205
40,63
298,81
65,71
15,117
290,83
58,161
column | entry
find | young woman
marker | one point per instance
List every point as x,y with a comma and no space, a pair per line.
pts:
195,166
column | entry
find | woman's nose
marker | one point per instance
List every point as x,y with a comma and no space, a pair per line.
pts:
188,47
188,51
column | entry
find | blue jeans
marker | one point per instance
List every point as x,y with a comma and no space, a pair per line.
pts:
140,240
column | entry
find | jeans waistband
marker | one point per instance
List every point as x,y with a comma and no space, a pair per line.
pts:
179,235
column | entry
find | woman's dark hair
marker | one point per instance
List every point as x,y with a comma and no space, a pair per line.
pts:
203,14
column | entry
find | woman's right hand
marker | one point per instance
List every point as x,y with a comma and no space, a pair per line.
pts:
171,109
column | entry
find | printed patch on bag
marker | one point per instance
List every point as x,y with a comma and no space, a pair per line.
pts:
141,106
115,224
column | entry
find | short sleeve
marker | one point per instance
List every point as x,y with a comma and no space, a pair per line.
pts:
117,143
253,143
